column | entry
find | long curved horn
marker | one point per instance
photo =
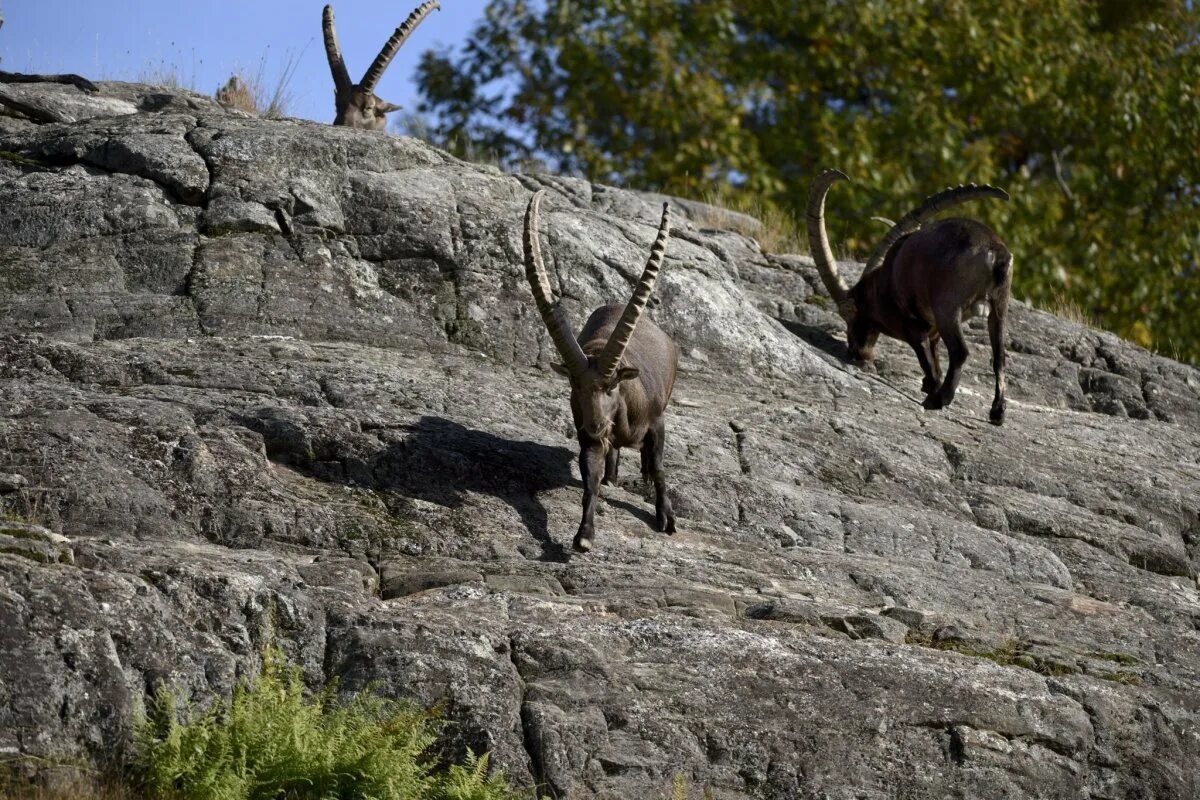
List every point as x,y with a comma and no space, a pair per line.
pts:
818,240
552,313
883,221
931,205
375,71
337,65
618,340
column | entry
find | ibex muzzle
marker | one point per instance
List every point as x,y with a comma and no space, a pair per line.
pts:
357,104
621,368
920,283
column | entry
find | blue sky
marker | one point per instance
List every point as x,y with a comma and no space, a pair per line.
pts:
207,41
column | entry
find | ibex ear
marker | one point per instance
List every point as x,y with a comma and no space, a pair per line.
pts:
625,374
384,107
560,369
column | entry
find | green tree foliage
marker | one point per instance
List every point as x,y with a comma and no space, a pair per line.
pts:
1087,112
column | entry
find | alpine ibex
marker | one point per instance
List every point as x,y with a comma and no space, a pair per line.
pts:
357,104
621,375
920,283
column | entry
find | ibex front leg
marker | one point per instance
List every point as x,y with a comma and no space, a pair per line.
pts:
591,469
918,338
950,328
612,461
652,467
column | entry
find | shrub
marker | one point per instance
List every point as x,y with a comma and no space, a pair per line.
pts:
275,739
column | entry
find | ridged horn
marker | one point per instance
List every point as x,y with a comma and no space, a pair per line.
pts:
337,65
818,240
614,349
552,314
883,221
931,205
375,71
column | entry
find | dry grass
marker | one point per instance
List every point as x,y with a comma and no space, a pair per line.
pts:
237,95
256,92
1065,308
681,789
1137,331
75,791
777,230
168,76
64,783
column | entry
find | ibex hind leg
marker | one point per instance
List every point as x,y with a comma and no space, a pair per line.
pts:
652,463
998,300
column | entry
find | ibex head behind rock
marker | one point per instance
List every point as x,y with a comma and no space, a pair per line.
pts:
621,368
920,283
357,104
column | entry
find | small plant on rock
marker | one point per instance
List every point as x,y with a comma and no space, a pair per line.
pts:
275,740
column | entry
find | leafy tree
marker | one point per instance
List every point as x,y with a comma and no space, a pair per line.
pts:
1087,112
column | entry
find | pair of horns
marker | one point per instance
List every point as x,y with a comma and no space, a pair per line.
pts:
337,65
909,223
552,313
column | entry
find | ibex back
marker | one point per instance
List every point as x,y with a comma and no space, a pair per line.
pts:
622,370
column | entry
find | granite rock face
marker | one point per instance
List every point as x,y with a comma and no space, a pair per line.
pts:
273,369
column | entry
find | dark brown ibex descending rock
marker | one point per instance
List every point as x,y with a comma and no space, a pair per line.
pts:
920,283
357,104
621,375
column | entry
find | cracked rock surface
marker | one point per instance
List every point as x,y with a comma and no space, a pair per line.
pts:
272,368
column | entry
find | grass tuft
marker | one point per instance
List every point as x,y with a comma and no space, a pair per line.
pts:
168,76
256,93
1065,308
681,789
777,231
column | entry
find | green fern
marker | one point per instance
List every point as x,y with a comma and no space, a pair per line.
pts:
275,740
470,781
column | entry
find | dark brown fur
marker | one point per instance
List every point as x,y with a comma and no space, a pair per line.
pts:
627,413
622,369
929,282
920,284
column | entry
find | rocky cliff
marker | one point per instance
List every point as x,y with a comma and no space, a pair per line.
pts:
272,368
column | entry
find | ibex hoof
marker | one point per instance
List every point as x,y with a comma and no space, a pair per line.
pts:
997,416
583,543
933,402
665,523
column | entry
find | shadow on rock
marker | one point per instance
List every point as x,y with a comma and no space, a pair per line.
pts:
817,337
441,460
